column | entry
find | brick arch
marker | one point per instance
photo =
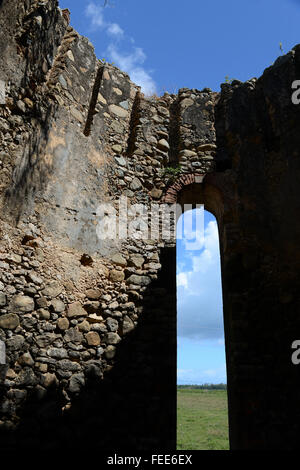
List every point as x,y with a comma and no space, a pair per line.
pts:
184,180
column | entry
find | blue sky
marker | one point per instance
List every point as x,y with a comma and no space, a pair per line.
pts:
201,350
193,43
165,45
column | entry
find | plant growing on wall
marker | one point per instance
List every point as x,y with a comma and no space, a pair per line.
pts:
281,48
104,62
171,173
228,80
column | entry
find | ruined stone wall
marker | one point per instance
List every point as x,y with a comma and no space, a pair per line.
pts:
258,141
90,324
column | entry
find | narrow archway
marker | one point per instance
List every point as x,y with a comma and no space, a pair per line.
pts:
211,191
202,411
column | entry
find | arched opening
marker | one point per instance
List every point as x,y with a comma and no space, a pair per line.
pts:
202,409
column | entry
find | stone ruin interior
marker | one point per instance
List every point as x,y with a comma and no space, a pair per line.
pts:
89,325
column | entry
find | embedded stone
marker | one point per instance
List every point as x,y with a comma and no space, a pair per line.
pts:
70,55
76,114
101,99
156,193
136,260
21,303
21,106
187,153
48,379
2,92
62,81
157,119
42,302
77,381
57,353
45,340
127,325
3,299
124,104
26,359
112,338
138,280
116,276
14,258
162,144
26,377
84,326
129,306
57,305
163,111
119,260
34,278
117,148
76,310
207,147
15,342
53,289
94,318
73,335
66,364
114,305
110,352
117,91
121,161
112,324
153,266
63,324
117,127
44,314
10,374
93,339
106,75
28,102
43,367
135,184
186,102
118,111
93,294
17,394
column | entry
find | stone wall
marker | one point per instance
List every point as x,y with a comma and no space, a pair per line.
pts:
89,324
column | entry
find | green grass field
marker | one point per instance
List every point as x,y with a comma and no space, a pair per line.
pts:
202,421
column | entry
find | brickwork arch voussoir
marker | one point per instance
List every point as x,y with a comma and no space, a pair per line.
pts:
184,180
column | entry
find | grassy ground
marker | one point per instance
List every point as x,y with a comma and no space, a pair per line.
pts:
202,422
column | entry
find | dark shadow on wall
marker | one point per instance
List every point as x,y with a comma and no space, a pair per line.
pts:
133,406
32,172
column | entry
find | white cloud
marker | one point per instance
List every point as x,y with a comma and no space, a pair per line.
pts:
182,280
130,62
95,13
115,30
210,255
127,61
199,299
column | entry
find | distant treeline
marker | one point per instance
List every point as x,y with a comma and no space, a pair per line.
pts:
205,386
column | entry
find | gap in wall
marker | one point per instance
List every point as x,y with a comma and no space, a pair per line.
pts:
202,413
